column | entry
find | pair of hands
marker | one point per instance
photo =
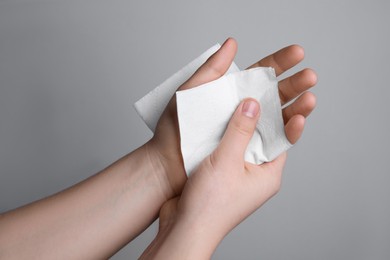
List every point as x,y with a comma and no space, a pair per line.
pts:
96,217
224,189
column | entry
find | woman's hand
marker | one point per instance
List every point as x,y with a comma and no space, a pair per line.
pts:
221,192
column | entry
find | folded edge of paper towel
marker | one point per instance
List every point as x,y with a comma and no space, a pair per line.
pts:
205,111
152,105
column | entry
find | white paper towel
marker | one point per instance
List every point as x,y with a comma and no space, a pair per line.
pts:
204,111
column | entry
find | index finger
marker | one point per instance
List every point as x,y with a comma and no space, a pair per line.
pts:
282,60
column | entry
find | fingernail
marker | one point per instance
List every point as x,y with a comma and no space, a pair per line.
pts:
250,108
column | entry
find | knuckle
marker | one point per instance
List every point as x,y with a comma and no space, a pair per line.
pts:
242,128
214,69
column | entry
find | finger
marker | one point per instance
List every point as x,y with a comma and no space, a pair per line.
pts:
239,131
293,86
304,105
294,128
282,60
215,67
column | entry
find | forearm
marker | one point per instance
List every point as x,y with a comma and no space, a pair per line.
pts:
92,219
183,240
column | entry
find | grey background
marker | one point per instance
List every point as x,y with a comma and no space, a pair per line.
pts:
71,70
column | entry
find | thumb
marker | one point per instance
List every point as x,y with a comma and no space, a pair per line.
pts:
239,131
215,66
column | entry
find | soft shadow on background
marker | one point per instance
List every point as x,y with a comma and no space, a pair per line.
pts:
71,70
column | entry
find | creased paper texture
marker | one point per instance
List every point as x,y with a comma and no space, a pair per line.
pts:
205,111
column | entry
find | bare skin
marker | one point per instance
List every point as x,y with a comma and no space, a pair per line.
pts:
98,216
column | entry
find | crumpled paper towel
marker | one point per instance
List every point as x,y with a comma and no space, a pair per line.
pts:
204,111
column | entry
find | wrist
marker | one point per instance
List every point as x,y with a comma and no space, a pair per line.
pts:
153,172
194,238
168,166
